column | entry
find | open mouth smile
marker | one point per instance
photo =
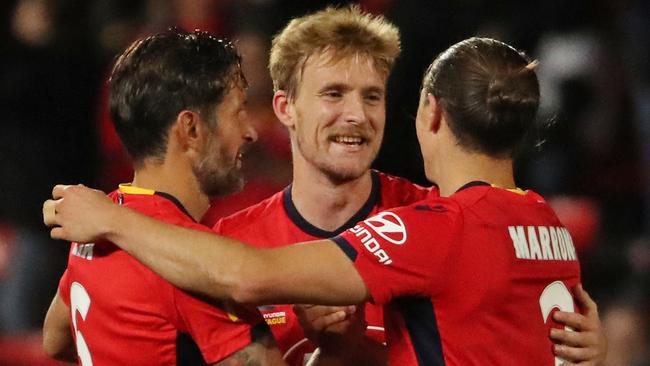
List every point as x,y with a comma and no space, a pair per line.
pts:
348,140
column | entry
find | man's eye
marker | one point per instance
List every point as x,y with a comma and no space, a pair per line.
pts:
373,98
333,94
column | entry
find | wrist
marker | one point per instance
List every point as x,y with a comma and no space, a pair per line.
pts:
110,222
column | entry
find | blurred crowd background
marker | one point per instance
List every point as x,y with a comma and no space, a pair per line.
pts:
593,164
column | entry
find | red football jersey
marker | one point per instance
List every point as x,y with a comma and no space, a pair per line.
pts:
125,314
467,280
276,222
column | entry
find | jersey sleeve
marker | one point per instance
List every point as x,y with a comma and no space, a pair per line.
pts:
402,252
217,332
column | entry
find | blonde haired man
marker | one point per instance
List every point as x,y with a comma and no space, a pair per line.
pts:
329,72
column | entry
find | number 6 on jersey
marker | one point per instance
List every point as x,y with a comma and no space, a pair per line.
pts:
80,301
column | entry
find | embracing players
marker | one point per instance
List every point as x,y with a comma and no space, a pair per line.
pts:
322,273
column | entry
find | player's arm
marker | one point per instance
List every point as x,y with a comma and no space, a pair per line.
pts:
57,335
262,352
587,345
218,267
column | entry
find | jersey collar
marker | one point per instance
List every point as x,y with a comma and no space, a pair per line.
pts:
127,188
478,183
360,215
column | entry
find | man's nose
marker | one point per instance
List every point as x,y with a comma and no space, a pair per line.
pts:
354,109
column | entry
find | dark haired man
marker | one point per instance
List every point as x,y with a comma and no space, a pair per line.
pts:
470,278
177,101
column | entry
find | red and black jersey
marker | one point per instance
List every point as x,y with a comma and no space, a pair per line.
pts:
276,222
124,314
467,280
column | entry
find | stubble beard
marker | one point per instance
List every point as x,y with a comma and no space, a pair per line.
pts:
216,177
333,172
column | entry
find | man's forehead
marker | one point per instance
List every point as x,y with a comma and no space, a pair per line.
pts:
332,58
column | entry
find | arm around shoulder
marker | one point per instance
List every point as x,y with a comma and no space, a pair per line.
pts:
205,263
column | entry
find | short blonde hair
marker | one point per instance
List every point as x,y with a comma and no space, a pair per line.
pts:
347,31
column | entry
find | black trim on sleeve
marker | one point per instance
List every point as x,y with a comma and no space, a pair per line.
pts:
346,247
187,351
362,214
420,320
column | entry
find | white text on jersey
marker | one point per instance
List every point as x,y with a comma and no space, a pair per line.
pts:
84,251
542,243
371,244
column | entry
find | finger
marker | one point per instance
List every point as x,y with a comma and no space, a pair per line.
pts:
351,309
586,303
49,213
315,312
573,339
574,320
332,316
57,191
330,319
573,354
57,233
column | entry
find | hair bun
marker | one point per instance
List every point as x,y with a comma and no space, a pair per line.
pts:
509,92
489,91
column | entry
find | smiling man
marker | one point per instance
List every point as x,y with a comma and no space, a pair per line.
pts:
329,71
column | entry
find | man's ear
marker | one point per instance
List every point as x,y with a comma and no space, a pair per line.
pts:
189,130
434,117
283,108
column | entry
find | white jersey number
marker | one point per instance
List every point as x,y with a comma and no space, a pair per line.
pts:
80,302
556,296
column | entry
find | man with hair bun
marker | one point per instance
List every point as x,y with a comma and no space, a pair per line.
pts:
468,277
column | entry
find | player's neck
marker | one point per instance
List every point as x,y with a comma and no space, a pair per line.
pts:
176,179
460,168
327,204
